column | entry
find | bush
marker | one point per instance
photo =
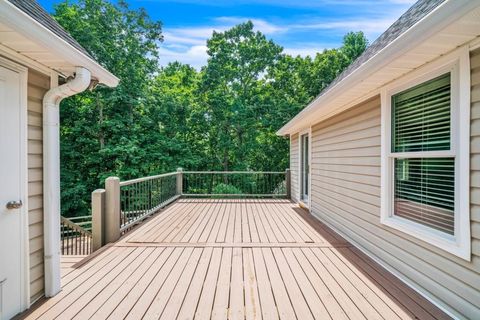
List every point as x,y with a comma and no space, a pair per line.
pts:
223,188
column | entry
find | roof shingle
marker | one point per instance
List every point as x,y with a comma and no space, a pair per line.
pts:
416,13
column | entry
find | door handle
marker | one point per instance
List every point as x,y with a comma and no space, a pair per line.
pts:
14,204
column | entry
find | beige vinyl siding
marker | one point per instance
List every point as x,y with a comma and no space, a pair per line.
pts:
475,152
346,195
294,166
38,84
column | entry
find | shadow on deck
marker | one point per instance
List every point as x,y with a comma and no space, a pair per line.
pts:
236,259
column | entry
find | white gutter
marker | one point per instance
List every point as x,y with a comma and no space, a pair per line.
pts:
51,175
432,23
19,21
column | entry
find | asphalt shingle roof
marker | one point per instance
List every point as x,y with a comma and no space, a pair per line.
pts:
416,12
36,12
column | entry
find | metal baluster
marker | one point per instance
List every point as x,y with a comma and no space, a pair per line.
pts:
62,237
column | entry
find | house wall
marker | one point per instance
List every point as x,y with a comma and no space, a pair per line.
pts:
294,163
345,194
38,84
475,151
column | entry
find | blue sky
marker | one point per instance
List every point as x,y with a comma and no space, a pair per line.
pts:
302,27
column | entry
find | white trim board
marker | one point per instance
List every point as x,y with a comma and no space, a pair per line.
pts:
473,45
25,263
300,176
24,60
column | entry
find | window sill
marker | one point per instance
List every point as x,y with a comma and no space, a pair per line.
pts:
429,235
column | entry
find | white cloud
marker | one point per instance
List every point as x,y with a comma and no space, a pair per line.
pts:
303,52
188,44
371,27
172,37
201,32
403,1
290,3
196,56
261,25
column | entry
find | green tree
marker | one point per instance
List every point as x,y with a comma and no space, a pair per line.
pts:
102,131
327,65
223,117
232,85
176,133
354,44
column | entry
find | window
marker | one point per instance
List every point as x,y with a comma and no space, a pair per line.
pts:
425,152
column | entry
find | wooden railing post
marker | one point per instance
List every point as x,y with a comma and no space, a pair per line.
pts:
179,181
112,209
98,219
288,183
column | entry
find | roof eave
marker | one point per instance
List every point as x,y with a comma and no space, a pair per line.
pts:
23,23
432,23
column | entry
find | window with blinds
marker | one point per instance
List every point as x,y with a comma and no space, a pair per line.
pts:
421,117
424,191
424,187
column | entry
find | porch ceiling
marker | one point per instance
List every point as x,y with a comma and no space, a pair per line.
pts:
219,259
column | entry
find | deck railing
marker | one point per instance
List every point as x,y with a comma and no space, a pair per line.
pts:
123,204
139,198
231,184
84,221
75,240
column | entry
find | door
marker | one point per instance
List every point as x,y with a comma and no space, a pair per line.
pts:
11,226
304,168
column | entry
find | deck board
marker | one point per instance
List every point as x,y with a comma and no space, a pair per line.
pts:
68,261
231,259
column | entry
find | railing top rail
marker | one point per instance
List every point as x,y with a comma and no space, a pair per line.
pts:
133,181
234,172
237,194
79,218
74,226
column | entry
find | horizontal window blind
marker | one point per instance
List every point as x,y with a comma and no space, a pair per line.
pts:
421,117
424,191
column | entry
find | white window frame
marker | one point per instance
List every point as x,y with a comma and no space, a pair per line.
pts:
300,174
458,63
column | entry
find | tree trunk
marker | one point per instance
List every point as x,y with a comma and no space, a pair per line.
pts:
101,135
225,166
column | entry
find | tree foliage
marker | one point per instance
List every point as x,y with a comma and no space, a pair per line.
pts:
223,117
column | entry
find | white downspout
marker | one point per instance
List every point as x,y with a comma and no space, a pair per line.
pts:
51,175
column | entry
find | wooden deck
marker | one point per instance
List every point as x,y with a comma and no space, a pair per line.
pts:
235,259
68,262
